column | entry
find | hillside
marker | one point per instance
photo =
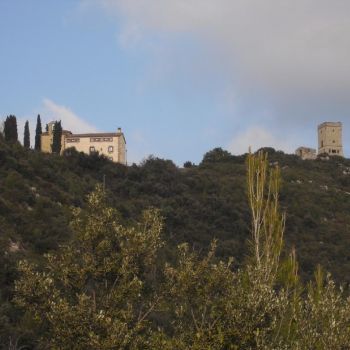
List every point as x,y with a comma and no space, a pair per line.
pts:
199,203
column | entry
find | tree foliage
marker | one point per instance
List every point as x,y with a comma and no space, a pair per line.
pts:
96,292
216,155
10,129
26,137
38,132
267,222
57,138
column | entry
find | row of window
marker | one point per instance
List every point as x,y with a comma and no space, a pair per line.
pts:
73,140
110,149
92,139
100,139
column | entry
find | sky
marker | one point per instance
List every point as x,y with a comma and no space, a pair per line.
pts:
180,77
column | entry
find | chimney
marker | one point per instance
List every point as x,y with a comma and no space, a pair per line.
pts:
119,130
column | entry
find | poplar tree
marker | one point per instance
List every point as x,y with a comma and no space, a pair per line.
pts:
57,137
38,132
10,129
26,137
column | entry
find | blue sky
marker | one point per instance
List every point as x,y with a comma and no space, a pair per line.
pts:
180,77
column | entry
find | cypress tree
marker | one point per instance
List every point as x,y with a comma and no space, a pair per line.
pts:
57,136
26,138
10,129
38,132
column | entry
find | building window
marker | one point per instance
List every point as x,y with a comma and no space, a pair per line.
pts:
108,139
95,139
92,149
333,141
321,143
334,151
110,149
73,140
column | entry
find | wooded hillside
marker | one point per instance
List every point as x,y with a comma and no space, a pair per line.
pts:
198,202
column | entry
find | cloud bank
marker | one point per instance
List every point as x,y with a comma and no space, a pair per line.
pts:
293,55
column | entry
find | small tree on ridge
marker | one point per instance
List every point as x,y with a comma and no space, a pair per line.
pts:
26,137
38,132
10,129
57,137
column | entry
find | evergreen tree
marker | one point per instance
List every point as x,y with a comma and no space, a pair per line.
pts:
38,132
10,129
57,136
26,138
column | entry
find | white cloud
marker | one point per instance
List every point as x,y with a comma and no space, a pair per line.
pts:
50,111
256,138
70,121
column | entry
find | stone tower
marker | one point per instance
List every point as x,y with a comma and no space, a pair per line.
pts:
330,139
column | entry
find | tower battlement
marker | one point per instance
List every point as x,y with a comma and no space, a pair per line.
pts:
330,139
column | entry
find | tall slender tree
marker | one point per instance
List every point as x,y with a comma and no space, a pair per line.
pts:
26,138
57,136
38,132
10,129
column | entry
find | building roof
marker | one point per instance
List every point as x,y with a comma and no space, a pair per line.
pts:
103,134
307,149
331,124
64,132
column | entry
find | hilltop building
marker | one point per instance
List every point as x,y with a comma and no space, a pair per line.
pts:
329,142
306,153
330,139
112,145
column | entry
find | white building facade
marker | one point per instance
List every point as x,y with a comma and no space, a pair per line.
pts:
111,145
